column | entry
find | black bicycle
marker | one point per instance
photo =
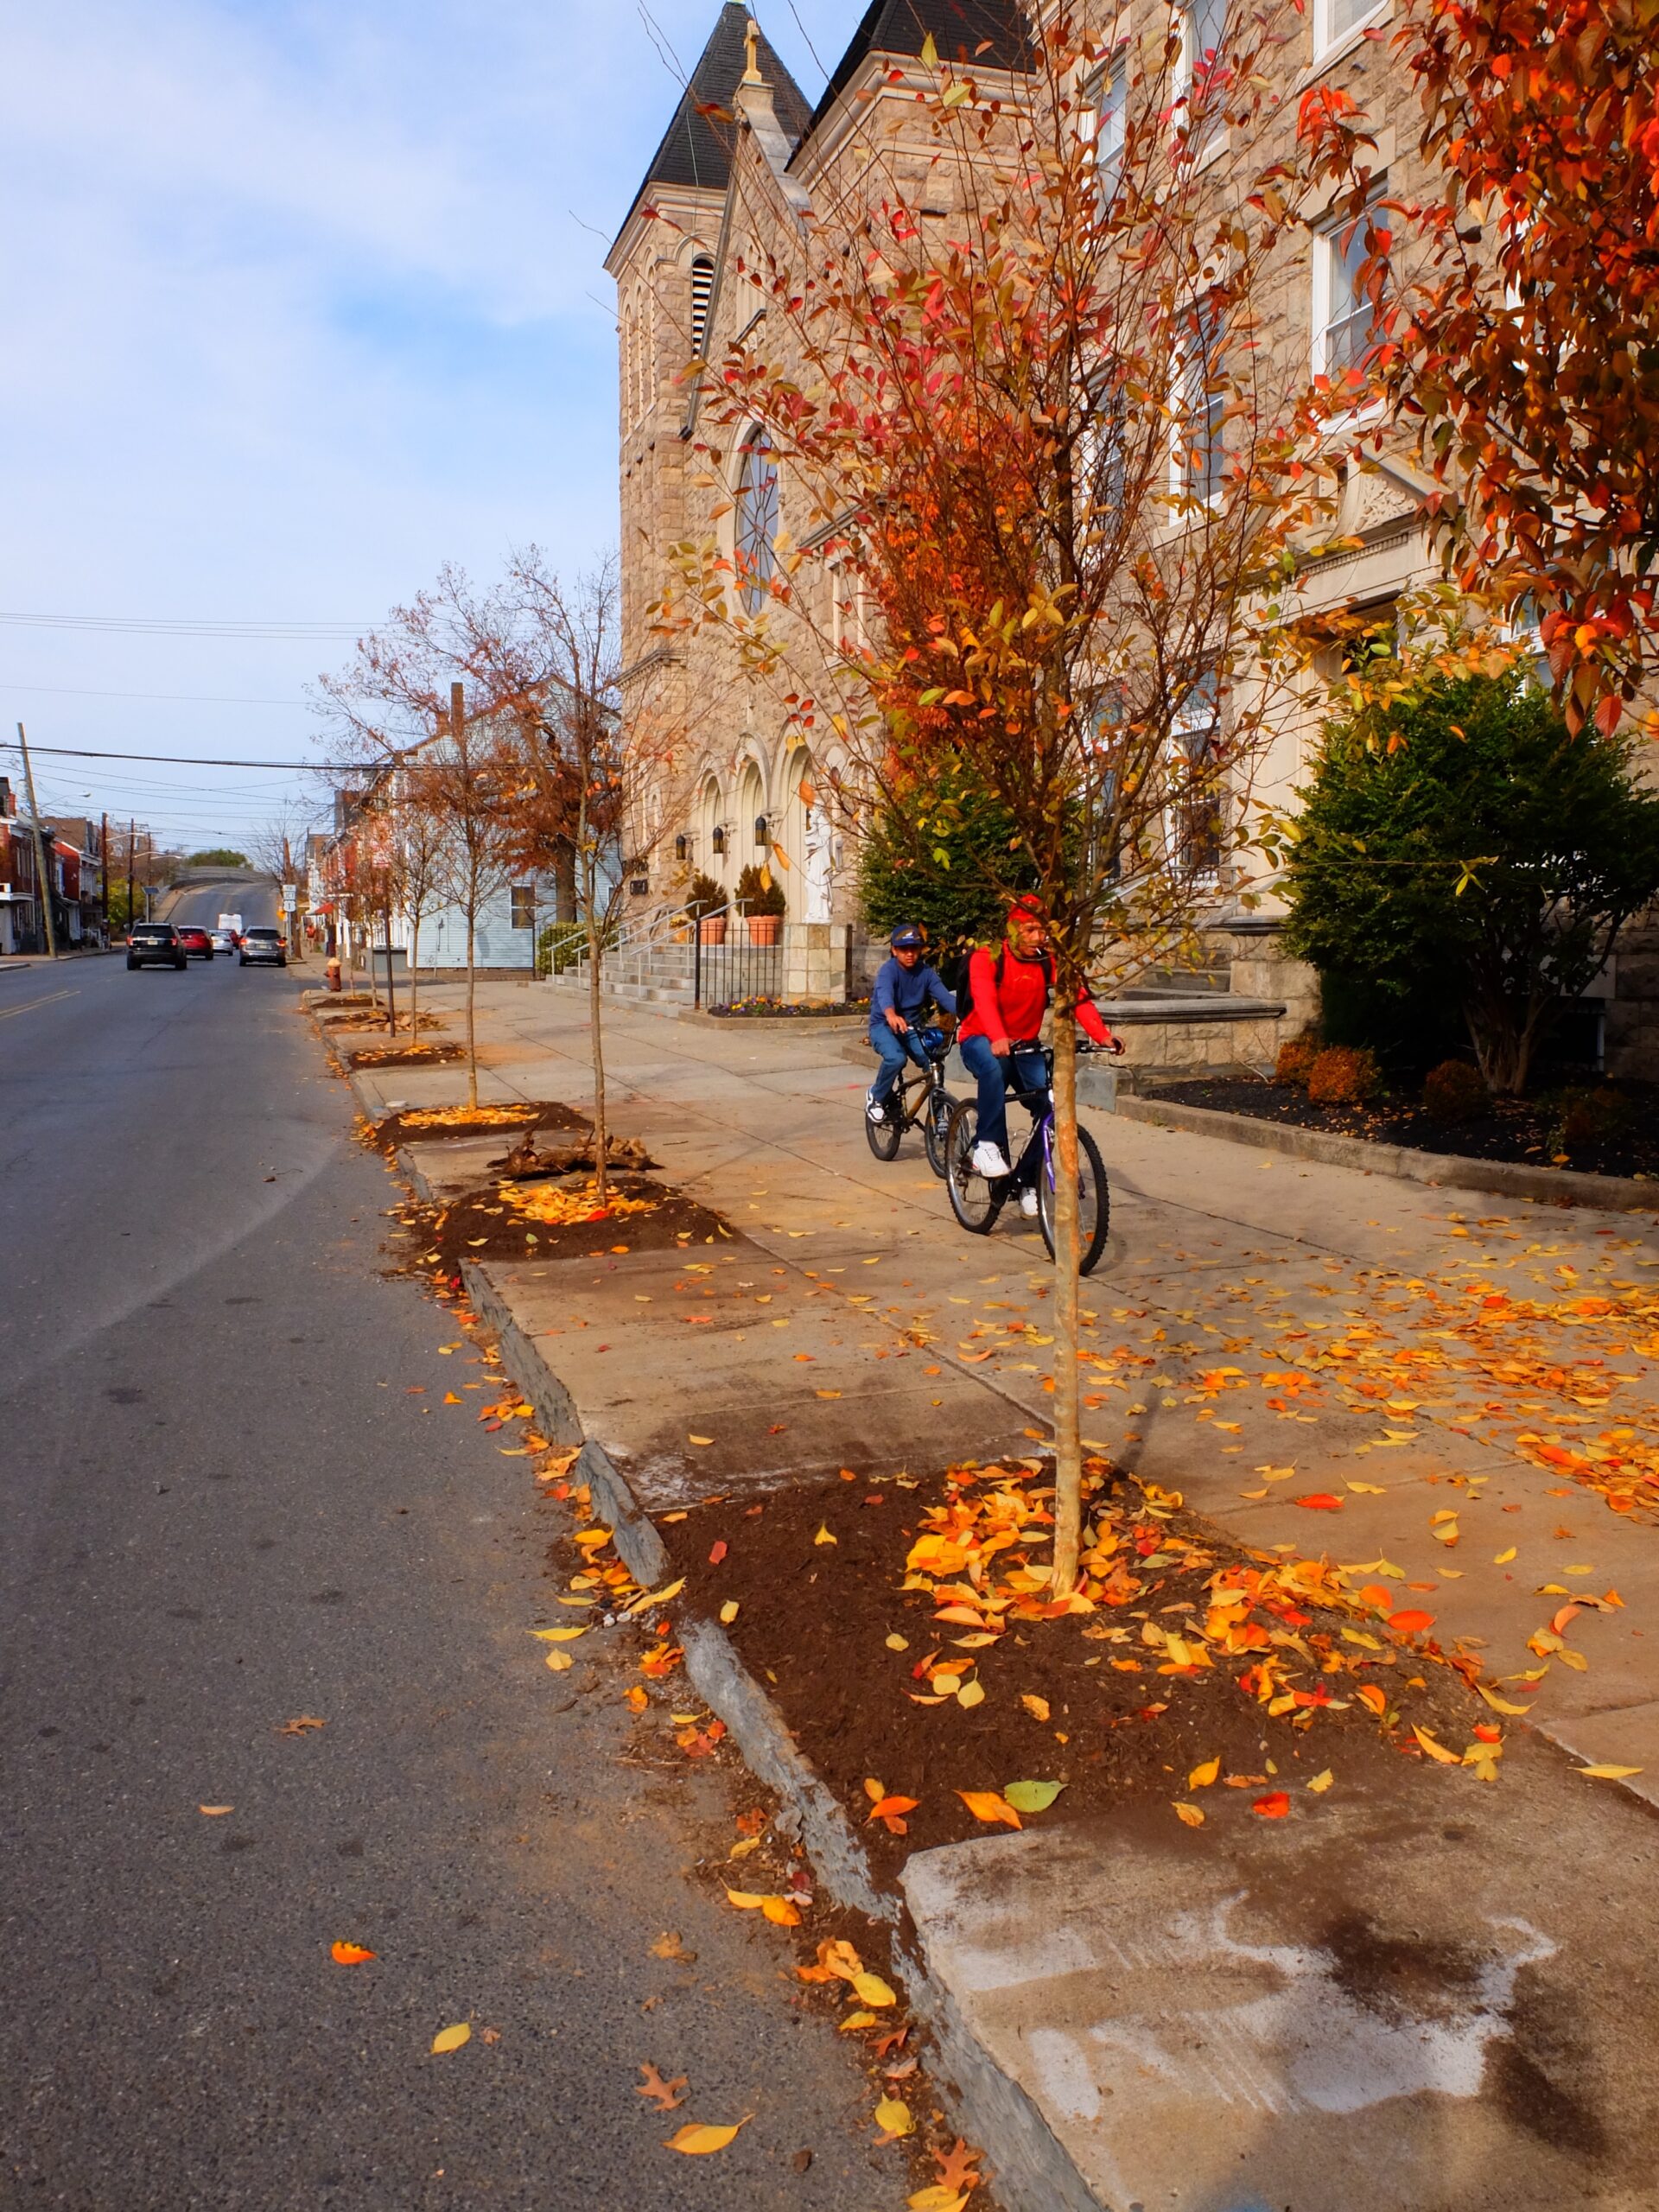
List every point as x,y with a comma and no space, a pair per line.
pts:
920,1096
976,1201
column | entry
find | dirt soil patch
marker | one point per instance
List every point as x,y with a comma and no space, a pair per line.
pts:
1088,1700
1528,1131
435,1124
511,1220
407,1055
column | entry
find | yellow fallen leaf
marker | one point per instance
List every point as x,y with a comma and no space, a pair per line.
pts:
557,1635
1191,1815
857,2020
215,1812
558,1661
1501,1704
971,1693
452,2038
1609,1773
892,2117
782,1912
701,1440
743,1847
1370,1489
1321,1782
1202,1776
823,1536
937,2197
696,2139
1502,1559
745,1900
872,1989
1436,1751
1035,1706
729,1612
898,1643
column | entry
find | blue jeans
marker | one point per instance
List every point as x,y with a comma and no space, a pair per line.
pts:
1026,1071
894,1052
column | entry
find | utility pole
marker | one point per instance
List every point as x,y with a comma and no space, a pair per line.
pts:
131,841
104,869
40,847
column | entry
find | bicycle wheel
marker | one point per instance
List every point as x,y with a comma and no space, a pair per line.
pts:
1094,1204
975,1202
884,1136
936,1123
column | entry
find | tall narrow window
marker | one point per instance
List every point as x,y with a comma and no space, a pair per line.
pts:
757,519
1334,19
1344,316
1101,123
703,293
1198,825
524,905
1203,29
1200,404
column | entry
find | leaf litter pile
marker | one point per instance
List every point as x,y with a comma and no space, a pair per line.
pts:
432,1124
905,1629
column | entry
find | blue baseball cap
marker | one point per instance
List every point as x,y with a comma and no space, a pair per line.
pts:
908,938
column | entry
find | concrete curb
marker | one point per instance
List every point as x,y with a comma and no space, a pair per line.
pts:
1032,2170
1508,1179
736,1023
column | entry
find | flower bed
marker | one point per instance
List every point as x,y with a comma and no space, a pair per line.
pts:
762,1009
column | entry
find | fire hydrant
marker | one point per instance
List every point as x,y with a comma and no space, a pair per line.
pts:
332,972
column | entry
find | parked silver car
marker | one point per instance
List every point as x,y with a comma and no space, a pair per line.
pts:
268,947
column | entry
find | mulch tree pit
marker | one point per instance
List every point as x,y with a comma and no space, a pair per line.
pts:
482,1225
408,1056
393,1129
813,1620
1526,1131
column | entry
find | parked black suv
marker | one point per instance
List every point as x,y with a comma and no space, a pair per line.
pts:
153,942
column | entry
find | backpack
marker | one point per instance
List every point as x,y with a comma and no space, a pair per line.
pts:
954,974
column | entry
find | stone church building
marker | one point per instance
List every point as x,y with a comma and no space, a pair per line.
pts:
747,153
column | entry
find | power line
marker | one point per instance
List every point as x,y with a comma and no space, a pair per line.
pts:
189,699
185,759
163,627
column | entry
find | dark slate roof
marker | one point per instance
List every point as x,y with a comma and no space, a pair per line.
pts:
696,147
959,27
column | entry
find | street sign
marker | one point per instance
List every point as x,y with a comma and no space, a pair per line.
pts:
290,897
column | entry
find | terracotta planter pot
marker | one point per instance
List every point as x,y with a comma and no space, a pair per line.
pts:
712,929
764,929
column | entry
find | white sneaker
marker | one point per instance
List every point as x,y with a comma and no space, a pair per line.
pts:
872,1111
1029,1202
988,1161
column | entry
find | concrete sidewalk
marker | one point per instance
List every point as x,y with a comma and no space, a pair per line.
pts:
1412,1998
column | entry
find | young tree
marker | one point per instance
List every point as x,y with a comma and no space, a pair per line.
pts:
1487,845
1043,439
1520,312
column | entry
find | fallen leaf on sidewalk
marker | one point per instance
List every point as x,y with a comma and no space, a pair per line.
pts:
298,1727
935,2197
1321,1782
872,1989
664,2094
452,2038
1436,1751
990,1805
215,1812
1273,1807
1191,1816
557,1635
837,1962
892,2118
1319,1501
350,1954
957,2166
1411,1621
856,2020
669,1946
777,1909
699,1440
1202,1776
696,2139
1609,1773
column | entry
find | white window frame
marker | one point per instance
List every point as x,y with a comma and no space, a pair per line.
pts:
1106,147
1191,721
1185,64
1187,398
1327,38
1328,258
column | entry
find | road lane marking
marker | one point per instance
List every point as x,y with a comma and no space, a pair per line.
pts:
10,1013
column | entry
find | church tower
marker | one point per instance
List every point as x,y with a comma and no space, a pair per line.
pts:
663,261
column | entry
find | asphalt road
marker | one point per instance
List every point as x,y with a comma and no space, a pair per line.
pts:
230,1496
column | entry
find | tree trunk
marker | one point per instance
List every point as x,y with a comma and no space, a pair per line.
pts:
564,881
1068,1407
601,1141
472,1032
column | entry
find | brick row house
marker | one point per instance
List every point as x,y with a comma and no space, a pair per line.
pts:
74,860
743,168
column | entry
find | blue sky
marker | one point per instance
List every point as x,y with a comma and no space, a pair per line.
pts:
301,301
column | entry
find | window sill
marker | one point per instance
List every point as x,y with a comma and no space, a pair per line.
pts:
1339,49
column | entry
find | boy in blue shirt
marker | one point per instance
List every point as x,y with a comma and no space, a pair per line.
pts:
903,986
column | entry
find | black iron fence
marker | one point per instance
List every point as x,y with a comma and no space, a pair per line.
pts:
730,968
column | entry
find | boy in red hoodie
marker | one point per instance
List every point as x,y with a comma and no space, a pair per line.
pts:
1010,990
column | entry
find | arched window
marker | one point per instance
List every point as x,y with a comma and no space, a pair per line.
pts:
702,289
757,519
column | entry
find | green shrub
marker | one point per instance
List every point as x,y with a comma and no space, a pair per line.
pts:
1454,1091
1459,831
1593,1116
1296,1057
1343,1075
755,896
941,859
